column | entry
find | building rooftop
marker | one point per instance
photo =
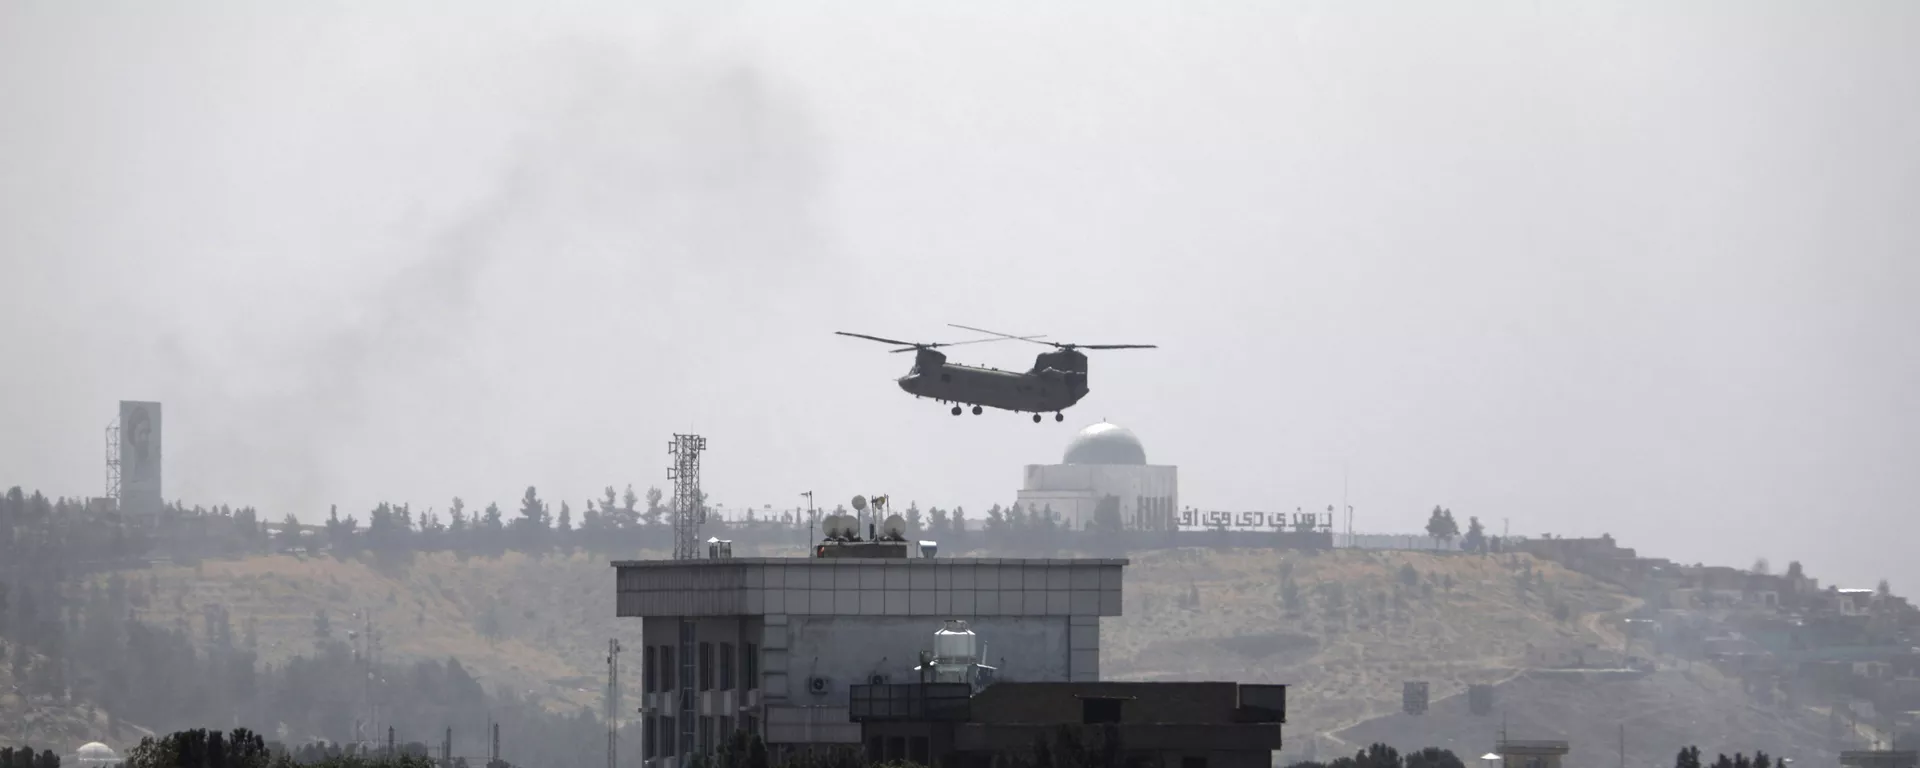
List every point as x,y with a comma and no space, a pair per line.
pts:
855,562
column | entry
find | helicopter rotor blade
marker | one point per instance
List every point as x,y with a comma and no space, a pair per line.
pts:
969,341
876,338
1003,335
1113,346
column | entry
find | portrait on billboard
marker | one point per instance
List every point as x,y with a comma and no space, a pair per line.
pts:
140,454
139,428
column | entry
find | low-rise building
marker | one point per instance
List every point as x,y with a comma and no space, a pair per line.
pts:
771,645
1188,725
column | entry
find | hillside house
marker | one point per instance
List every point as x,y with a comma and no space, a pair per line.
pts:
1572,656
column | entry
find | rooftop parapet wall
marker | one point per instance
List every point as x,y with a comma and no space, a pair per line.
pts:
950,587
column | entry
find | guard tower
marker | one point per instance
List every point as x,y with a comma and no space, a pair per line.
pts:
776,642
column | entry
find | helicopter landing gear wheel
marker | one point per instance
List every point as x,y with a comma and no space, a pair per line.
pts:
956,410
1036,418
976,410
1059,417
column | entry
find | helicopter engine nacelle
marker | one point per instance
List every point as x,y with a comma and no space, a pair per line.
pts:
927,359
1063,360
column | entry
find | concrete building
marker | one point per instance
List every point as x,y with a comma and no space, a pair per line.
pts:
1189,725
1863,758
1531,753
1105,461
770,645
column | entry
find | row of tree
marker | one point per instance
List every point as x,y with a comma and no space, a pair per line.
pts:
25,757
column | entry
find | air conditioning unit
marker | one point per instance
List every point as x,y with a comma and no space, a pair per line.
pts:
818,685
876,679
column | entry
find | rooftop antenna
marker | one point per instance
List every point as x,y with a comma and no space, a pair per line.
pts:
688,514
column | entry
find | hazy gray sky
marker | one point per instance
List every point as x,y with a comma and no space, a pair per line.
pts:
1620,269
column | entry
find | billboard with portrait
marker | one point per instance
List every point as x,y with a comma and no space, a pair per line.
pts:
140,457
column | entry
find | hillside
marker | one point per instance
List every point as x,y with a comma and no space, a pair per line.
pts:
538,625
1347,649
1394,616
43,723
1651,718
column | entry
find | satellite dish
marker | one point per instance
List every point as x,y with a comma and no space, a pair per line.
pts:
894,528
859,502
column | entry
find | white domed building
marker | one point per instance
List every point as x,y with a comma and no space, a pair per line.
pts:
95,755
1105,460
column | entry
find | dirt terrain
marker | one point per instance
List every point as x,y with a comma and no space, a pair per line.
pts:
1450,619
1647,721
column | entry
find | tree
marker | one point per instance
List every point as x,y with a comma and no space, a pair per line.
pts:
1761,567
1433,757
1290,594
1409,576
566,518
533,511
1440,525
959,518
1689,757
322,628
913,516
1794,571
937,520
654,507
1476,538
1884,589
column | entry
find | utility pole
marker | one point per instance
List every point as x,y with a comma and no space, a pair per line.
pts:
810,539
1346,505
613,703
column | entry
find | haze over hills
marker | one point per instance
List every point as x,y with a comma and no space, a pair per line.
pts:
1346,628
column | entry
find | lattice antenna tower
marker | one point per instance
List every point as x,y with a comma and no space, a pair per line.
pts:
688,512
113,461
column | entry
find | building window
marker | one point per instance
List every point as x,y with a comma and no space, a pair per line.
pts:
669,739
750,663
649,732
648,681
726,666
666,668
706,734
726,731
706,666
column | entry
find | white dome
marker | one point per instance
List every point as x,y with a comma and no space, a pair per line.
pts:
1105,443
96,753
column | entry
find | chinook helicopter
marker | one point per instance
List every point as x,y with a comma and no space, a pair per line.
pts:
1056,382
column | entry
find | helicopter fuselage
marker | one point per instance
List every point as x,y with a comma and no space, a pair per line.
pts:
1045,389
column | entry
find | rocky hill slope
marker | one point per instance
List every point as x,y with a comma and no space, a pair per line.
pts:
1345,628
1610,719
